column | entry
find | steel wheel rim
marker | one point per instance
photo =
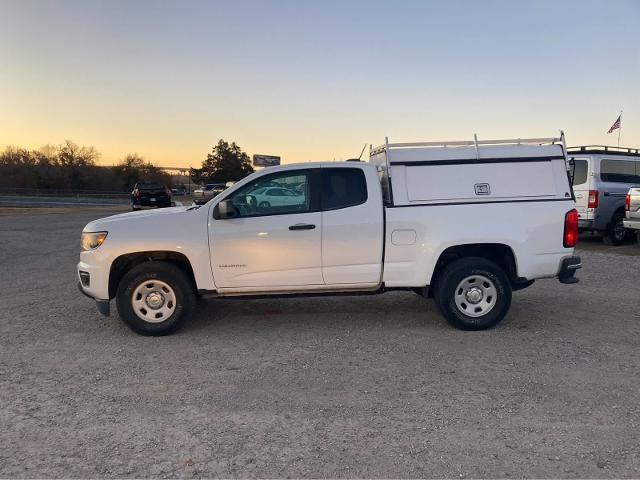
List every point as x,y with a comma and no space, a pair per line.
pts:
476,296
153,301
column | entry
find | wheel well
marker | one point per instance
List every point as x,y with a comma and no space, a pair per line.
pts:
124,263
619,210
500,254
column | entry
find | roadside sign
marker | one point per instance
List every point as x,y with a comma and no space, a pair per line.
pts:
265,160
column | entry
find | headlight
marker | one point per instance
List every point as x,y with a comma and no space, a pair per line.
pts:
92,240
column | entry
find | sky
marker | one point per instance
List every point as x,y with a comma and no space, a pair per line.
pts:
313,80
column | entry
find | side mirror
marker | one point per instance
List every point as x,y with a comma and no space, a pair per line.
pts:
224,209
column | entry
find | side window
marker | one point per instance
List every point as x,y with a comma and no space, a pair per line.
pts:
342,187
619,171
580,170
256,199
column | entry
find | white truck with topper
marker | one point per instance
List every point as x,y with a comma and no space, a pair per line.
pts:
466,223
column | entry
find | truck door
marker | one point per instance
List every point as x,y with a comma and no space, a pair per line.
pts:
268,245
352,226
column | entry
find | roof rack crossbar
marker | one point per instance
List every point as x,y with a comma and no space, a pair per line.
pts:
606,148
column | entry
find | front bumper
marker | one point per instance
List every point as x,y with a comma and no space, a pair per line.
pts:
104,306
568,267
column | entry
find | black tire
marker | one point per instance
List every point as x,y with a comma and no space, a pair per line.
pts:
169,274
616,234
447,285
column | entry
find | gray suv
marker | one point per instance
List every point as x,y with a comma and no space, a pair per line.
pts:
602,177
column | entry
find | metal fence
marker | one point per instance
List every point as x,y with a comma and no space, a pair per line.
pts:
70,194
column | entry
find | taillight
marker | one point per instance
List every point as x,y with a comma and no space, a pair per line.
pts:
627,203
136,192
593,199
570,237
168,191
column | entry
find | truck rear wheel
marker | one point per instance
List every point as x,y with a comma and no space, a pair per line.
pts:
155,298
473,293
615,234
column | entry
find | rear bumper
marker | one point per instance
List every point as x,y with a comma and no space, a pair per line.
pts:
632,224
585,224
161,202
568,268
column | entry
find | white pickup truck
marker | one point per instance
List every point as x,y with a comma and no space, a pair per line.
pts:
466,223
632,211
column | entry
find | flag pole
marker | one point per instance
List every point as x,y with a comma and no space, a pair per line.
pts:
620,129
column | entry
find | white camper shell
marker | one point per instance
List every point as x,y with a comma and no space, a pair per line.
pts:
474,172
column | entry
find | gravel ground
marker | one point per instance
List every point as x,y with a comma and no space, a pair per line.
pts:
323,387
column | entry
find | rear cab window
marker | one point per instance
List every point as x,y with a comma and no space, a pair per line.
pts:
342,188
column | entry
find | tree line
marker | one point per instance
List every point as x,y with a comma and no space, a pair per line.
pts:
74,167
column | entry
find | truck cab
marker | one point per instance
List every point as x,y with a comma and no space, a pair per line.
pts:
329,235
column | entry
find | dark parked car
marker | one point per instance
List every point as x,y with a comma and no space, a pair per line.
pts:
150,194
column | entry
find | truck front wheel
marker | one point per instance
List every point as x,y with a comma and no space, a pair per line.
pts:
473,293
155,298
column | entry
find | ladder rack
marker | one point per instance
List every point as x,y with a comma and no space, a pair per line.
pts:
471,143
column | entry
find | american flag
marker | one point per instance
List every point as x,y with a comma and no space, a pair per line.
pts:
615,125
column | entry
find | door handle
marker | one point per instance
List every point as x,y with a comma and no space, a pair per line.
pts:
302,226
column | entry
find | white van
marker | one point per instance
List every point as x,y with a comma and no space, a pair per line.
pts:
602,176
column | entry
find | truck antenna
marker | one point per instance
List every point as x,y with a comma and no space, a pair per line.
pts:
365,146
